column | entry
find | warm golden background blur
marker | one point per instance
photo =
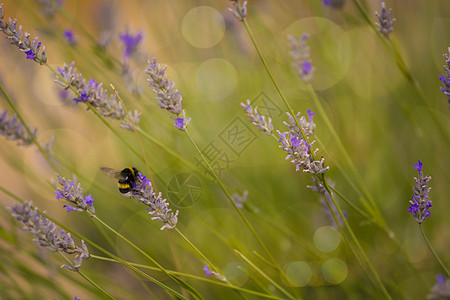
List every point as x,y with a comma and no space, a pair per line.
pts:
381,119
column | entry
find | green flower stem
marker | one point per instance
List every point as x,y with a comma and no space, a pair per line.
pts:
88,279
373,208
168,289
168,150
356,241
196,250
22,120
214,282
227,194
181,282
434,252
280,288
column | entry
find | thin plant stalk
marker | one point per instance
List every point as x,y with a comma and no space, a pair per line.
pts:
88,279
214,282
181,282
227,194
434,252
280,288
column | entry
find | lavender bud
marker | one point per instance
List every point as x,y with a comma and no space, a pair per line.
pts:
240,200
182,122
300,53
72,192
334,3
158,207
385,24
69,36
130,42
420,204
441,290
239,13
256,119
169,98
446,78
13,129
47,234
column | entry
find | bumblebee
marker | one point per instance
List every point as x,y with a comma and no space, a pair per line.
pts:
127,177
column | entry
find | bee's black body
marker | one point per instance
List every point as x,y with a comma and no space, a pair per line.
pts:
127,177
125,183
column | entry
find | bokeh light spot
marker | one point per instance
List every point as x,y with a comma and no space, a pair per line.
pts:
298,273
216,79
203,27
334,271
326,239
233,272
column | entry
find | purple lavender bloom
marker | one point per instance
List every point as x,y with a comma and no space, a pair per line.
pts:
15,34
420,203
182,122
298,149
446,78
69,36
48,235
240,200
93,93
13,129
130,42
441,290
300,53
207,271
169,98
72,192
310,115
333,3
158,207
385,24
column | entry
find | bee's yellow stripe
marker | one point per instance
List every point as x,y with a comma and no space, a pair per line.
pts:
132,171
123,185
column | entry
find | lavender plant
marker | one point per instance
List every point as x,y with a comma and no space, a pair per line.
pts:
72,192
446,78
48,235
420,204
300,53
385,22
13,129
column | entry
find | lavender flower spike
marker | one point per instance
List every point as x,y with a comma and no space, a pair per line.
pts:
158,207
13,129
256,119
385,24
30,47
300,53
420,203
446,78
93,93
239,13
441,290
169,98
72,192
47,234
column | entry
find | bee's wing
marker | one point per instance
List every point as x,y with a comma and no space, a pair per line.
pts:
111,172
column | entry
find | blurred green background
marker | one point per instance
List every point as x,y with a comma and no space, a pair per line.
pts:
380,118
